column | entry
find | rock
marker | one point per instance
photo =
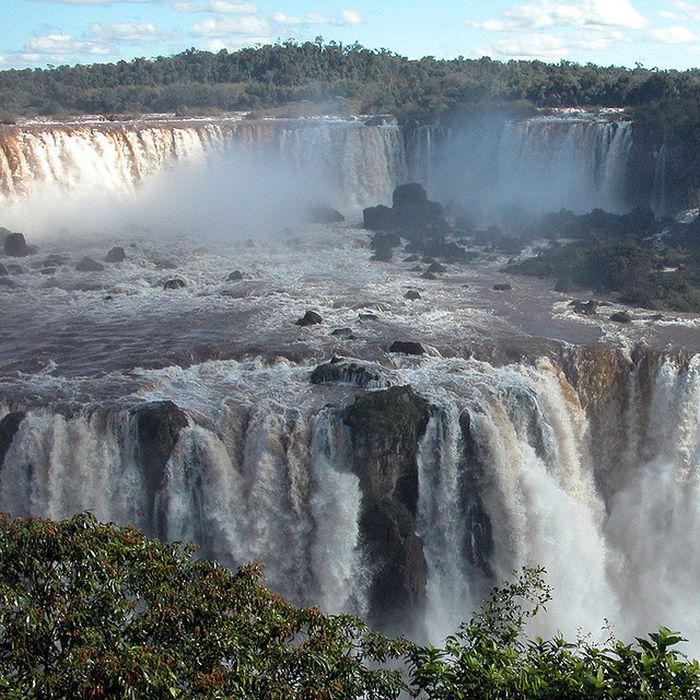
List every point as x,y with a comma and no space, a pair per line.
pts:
502,287
385,431
48,271
3,270
235,276
621,317
436,267
310,318
165,264
4,233
409,194
368,317
411,295
158,427
341,371
9,426
586,308
175,283
89,265
16,247
379,218
429,275
116,255
321,214
407,347
343,333
411,258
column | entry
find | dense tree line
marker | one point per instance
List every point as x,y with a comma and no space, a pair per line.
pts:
342,78
95,611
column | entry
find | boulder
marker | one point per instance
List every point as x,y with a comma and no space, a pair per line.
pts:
116,255
89,265
321,214
368,317
585,308
411,295
341,371
16,246
310,318
235,276
502,287
379,218
436,267
174,283
429,275
407,347
621,317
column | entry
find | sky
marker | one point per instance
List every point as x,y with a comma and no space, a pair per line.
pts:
654,33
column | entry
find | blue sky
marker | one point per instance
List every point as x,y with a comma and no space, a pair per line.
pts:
661,33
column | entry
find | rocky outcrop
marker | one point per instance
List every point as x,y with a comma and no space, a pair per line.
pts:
16,246
116,255
310,318
9,426
386,428
158,427
407,347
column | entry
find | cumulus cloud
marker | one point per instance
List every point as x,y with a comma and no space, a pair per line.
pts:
226,26
688,10
218,6
127,32
61,45
315,18
351,17
672,35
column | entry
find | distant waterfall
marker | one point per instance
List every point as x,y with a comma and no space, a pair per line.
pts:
525,464
542,163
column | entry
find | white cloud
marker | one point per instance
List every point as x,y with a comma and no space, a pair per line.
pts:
2,58
351,17
310,19
528,46
232,44
127,32
57,45
218,6
672,35
584,14
691,11
99,2
226,26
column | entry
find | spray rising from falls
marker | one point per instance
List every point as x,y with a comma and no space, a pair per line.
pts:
496,467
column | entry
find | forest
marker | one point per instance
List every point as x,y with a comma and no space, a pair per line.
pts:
293,79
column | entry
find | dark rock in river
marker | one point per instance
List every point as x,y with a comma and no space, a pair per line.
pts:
411,295
379,218
429,275
89,265
16,246
436,267
235,276
343,333
158,426
323,215
407,347
386,428
9,426
342,371
174,283
586,308
310,318
621,317
116,255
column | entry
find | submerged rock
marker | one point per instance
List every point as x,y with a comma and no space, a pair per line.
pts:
411,295
235,276
621,317
175,283
343,333
342,371
502,287
89,265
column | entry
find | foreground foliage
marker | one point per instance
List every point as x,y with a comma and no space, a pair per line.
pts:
97,611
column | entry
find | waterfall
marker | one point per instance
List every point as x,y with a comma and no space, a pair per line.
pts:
658,197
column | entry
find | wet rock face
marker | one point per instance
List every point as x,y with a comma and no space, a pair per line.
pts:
340,371
158,427
386,428
16,246
9,426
